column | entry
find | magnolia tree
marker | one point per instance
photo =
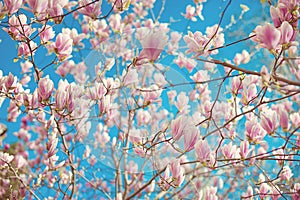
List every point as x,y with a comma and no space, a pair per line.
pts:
111,102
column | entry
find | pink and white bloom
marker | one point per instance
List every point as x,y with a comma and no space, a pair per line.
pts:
286,173
243,57
38,6
254,132
249,93
18,27
244,149
151,93
177,173
267,36
164,182
183,61
229,150
153,44
179,126
182,102
13,6
63,46
269,121
287,33
55,9
295,118
46,33
203,151
190,13
190,137
211,193
195,42
283,118
130,77
264,190
5,158
45,88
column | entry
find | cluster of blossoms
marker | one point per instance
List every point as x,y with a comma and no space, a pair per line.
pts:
141,115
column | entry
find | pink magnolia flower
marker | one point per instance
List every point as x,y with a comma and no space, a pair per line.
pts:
283,118
211,193
73,33
38,6
143,117
236,85
177,173
26,66
295,190
278,14
55,10
151,93
286,173
46,33
202,150
264,190
287,33
178,127
164,182
244,149
182,103
190,137
267,36
269,121
229,150
249,93
190,13
295,118
130,77
13,112
45,88
279,155
90,8
60,97
284,12
254,132
24,50
201,76
18,27
12,6
276,193
195,42
243,57
171,95
5,158
183,61
153,44
63,46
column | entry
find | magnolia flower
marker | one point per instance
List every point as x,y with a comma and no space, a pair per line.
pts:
178,127
267,36
177,173
153,44
90,8
202,150
5,158
269,122
63,46
190,137
46,33
45,88
12,5
286,173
